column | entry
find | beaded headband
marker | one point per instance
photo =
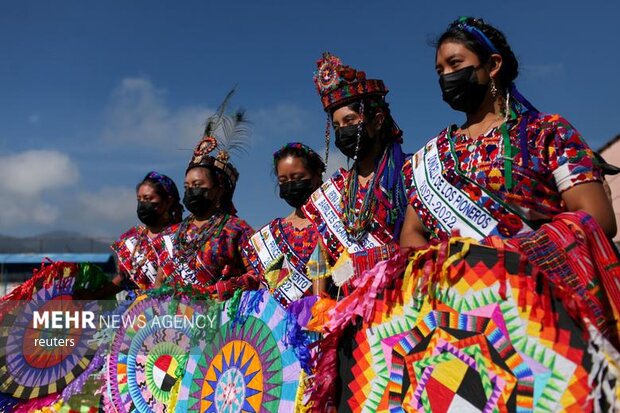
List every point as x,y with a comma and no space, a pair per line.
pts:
305,149
482,38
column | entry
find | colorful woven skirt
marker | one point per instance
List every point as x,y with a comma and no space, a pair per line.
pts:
41,355
468,329
247,367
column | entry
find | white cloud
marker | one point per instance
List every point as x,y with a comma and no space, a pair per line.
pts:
16,211
138,114
31,172
27,177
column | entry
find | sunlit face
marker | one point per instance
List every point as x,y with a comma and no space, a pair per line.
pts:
292,168
452,56
201,178
345,116
146,193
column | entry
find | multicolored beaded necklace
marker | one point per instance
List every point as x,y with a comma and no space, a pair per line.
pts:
357,222
187,248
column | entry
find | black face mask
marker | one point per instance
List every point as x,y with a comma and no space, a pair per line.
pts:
296,193
346,141
462,91
147,213
196,201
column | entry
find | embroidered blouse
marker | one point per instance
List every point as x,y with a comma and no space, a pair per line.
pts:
204,255
553,159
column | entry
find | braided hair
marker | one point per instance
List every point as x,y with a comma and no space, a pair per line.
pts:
390,187
484,40
372,107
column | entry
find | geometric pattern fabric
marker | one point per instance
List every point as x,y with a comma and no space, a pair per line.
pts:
480,338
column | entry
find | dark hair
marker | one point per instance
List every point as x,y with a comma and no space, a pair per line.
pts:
220,180
310,159
372,106
464,31
166,189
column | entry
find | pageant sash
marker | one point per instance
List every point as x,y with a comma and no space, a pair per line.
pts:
452,207
294,284
292,269
136,257
180,267
146,266
327,201
266,248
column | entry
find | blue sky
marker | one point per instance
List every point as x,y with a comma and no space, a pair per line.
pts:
95,94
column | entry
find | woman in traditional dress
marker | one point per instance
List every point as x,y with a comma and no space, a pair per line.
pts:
514,178
205,249
358,213
508,168
159,209
281,251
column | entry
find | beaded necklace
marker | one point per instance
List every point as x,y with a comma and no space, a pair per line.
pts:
357,222
186,248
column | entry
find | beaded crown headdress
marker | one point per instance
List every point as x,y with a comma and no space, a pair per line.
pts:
338,83
226,133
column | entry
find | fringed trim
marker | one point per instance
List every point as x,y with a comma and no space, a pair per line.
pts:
242,305
302,404
232,307
430,267
90,277
7,403
320,313
604,378
77,385
323,384
298,315
43,277
37,404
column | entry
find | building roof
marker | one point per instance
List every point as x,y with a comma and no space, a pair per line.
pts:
38,258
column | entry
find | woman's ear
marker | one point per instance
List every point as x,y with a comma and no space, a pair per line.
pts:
378,121
495,64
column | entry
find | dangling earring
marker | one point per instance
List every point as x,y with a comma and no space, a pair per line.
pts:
359,137
493,89
328,130
359,130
